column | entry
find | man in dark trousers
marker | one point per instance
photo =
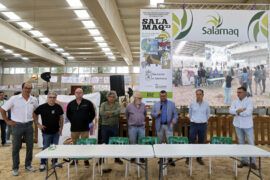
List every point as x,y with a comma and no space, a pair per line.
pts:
80,113
52,125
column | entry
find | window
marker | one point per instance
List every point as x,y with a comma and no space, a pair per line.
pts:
43,69
84,70
94,69
136,69
122,69
56,70
6,70
72,70
30,70
12,70
20,71
108,69
35,70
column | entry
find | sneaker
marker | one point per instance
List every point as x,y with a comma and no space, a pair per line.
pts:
15,172
253,166
9,142
170,162
57,165
242,164
200,161
5,145
30,168
132,160
118,161
187,161
86,164
42,167
142,160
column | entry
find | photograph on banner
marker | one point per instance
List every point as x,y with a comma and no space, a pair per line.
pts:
213,65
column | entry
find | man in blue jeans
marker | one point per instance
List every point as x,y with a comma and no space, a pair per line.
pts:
242,109
136,114
52,125
199,113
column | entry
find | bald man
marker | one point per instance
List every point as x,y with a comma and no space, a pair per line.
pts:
22,107
136,114
80,113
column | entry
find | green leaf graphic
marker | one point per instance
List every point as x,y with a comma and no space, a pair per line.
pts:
184,33
175,29
265,21
212,21
264,31
214,18
184,20
220,23
254,18
256,30
175,19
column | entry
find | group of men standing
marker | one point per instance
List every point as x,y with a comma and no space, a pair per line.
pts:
81,112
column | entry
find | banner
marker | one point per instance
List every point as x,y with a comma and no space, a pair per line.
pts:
155,56
160,27
63,100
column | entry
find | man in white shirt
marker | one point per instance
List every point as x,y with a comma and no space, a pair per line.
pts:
242,109
21,107
2,122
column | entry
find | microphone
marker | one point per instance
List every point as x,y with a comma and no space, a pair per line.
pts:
160,107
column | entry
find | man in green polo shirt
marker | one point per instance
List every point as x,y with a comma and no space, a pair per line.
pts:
109,113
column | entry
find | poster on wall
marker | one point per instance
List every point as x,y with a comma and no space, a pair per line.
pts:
63,101
155,56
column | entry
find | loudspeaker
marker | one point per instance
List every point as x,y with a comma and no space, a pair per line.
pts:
117,83
46,76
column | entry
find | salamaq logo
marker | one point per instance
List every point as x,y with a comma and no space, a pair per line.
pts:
220,31
258,25
216,30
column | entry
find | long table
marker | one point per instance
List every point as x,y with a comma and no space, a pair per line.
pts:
208,150
98,151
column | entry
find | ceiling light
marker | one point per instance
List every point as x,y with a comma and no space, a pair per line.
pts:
82,13
17,55
25,58
109,53
11,15
36,33
89,24
103,44
59,49
53,45
106,49
45,40
8,51
70,57
25,25
155,2
111,57
94,32
180,47
99,39
74,3
65,54
2,6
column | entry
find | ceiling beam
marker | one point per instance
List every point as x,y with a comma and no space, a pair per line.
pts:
107,15
11,36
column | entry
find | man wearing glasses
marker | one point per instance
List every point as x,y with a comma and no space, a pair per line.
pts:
52,125
242,109
22,107
136,114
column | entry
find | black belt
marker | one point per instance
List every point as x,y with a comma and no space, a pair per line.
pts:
200,124
29,122
137,125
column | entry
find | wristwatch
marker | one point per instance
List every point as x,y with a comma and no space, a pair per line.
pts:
37,124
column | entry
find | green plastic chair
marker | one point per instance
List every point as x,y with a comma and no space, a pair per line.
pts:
177,140
118,140
221,140
148,140
83,141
